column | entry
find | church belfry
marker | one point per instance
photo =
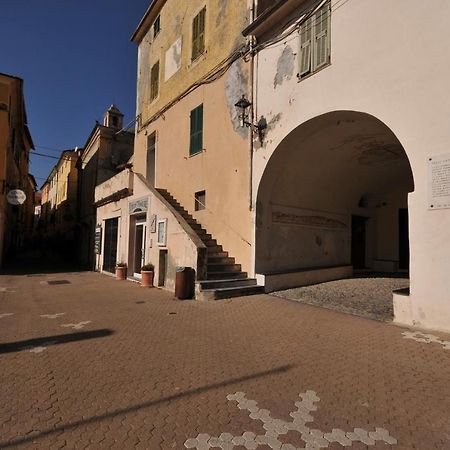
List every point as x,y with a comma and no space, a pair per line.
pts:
113,118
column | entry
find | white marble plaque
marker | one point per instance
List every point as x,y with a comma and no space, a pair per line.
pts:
439,182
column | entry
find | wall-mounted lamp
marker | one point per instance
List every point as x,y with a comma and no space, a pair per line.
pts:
243,105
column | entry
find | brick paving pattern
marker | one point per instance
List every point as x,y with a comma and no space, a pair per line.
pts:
141,370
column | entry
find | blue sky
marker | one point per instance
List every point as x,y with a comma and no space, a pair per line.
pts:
76,58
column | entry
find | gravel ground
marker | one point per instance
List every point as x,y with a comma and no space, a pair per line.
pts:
366,297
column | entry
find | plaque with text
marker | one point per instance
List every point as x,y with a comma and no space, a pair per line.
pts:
153,220
98,240
439,182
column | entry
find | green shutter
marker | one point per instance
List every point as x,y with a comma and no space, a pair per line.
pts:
198,34
321,37
305,47
196,137
154,81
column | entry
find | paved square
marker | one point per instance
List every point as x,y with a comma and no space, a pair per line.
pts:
104,364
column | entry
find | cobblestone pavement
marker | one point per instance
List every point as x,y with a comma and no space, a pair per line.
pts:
96,363
365,297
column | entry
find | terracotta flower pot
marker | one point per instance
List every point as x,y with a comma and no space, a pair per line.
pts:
121,273
147,278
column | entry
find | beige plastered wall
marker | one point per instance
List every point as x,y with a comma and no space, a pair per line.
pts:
397,74
223,168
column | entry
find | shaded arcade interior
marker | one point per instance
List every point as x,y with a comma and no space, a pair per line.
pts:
333,199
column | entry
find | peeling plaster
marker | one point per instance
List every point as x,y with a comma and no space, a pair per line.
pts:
285,66
222,11
236,86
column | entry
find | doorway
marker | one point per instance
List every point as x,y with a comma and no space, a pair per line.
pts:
359,242
163,261
139,245
110,245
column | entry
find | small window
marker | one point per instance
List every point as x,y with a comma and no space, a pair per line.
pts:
198,34
196,141
315,41
200,200
156,26
154,82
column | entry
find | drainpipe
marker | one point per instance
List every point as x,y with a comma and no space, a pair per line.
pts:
253,108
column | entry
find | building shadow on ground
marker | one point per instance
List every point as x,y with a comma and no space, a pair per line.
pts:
18,346
40,263
133,408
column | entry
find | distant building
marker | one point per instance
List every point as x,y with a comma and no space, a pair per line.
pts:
59,203
15,146
107,149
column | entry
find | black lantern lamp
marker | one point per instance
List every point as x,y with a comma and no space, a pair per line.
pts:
243,104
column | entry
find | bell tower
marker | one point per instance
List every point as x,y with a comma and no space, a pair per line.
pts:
113,118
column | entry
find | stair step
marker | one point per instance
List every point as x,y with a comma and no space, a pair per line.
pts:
230,292
216,255
210,243
220,260
213,250
226,275
232,282
217,267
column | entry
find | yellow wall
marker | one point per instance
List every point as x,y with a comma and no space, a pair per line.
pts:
225,20
222,169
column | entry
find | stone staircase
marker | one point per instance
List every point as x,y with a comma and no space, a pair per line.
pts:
224,278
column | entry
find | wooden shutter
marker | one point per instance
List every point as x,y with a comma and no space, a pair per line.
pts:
305,47
198,34
154,82
321,37
196,140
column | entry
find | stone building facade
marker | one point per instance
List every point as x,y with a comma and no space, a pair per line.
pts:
15,147
190,148
353,172
107,149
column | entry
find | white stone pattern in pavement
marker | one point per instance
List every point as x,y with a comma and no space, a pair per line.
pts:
313,438
52,316
7,289
6,315
38,348
425,338
76,326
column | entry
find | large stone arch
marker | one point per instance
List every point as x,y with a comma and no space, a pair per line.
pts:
335,169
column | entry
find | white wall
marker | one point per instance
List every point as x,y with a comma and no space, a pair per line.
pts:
181,248
388,59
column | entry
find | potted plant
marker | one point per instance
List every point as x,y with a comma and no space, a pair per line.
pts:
121,271
147,275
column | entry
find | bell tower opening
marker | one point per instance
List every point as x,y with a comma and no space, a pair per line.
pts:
113,118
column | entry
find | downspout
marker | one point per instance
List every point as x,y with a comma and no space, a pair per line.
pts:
253,108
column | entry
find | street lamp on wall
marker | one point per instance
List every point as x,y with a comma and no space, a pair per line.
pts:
243,106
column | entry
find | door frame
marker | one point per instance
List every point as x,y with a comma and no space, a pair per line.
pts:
140,222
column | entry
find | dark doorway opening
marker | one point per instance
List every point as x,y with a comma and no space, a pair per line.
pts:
359,242
110,245
163,260
403,239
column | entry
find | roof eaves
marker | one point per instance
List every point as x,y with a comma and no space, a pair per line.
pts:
262,17
145,23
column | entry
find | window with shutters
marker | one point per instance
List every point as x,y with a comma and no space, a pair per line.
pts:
198,34
154,82
196,141
315,41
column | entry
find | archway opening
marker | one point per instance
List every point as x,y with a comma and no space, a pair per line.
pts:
333,199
